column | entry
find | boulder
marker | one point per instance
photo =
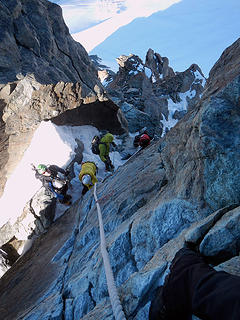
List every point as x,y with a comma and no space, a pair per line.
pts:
37,216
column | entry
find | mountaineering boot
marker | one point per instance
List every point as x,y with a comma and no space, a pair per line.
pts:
67,200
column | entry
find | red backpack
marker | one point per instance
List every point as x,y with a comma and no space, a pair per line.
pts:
144,140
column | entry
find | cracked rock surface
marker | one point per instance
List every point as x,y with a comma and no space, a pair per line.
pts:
183,187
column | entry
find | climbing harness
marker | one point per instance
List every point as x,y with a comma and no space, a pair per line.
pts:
112,290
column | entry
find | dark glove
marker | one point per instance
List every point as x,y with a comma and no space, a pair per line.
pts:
136,141
33,167
114,144
67,172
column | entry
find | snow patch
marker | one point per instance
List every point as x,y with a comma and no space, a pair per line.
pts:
173,107
50,144
199,78
148,72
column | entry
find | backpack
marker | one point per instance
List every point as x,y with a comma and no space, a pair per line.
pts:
58,184
95,144
144,140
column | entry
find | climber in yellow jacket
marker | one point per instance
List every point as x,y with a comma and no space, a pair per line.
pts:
104,148
87,175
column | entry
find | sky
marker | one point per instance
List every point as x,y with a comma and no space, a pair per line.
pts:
185,31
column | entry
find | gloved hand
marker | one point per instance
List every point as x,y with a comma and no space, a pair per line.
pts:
67,172
114,144
33,167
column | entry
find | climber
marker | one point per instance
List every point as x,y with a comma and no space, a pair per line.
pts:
104,149
54,179
193,287
142,140
87,175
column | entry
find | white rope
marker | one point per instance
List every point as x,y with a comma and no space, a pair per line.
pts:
113,160
112,290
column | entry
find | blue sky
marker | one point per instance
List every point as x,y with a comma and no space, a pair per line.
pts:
185,31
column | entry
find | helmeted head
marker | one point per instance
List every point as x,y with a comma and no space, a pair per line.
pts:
86,179
108,138
41,168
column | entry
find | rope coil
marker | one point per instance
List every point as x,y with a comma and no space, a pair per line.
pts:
112,290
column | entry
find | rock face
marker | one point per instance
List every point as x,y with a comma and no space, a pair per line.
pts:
44,73
35,40
183,187
225,69
37,216
151,93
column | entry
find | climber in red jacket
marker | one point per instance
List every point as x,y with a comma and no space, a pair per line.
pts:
143,140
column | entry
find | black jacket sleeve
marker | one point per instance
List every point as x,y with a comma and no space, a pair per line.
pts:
55,169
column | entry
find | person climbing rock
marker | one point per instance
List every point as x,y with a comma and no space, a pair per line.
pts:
193,287
55,180
104,149
87,175
143,140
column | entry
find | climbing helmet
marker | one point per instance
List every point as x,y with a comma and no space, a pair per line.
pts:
41,168
86,179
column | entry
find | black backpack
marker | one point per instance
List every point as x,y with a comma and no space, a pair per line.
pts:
94,144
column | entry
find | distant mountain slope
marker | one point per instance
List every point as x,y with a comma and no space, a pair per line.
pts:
187,32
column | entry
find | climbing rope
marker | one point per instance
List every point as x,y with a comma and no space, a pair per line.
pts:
112,290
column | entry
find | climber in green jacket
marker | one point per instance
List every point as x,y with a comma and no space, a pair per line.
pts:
104,149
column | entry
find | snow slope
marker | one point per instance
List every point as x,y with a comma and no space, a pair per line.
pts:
51,144
189,31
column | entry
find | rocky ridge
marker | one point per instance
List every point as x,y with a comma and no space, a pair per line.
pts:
184,187
152,92
29,103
